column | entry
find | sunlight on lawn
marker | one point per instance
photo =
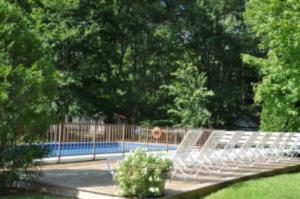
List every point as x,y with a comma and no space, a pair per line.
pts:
277,187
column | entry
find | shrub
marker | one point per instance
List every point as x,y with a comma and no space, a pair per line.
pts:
14,162
28,90
142,174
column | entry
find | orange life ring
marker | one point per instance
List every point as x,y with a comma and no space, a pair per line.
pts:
156,132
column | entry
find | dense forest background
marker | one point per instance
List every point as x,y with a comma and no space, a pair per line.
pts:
164,62
118,57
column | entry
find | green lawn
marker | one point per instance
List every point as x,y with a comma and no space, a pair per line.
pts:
277,187
18,194
29,196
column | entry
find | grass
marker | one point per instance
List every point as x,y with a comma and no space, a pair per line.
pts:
276,187
27,196
20,194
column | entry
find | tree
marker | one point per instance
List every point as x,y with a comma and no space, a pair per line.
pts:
276,23
115,55
213,35
27,91
191,97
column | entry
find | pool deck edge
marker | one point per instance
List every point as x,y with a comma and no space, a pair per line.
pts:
61,191
196,193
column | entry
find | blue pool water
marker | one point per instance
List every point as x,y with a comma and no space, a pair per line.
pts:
86,148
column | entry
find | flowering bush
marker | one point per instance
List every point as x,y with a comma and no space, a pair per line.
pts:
142,174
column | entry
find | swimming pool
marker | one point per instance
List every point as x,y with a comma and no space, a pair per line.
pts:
87,148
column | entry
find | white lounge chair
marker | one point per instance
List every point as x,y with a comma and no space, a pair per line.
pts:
183,160
229,154
292,147
219,152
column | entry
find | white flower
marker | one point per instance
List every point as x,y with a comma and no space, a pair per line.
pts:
144,171
158,179
152,189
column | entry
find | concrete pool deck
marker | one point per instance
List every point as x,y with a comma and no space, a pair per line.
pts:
91,179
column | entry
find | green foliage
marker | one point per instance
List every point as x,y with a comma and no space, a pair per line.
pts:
27,91
23,194
29,196
142,174
276,23
4,72
212,35
190,96
157,123
16,160
115,55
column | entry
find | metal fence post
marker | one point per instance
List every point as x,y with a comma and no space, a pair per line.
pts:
123,139
176,134
94,142
60,129
167,138
109,133
147,140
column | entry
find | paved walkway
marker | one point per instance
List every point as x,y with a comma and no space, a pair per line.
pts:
91,179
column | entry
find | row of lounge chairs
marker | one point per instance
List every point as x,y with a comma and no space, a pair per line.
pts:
225,150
